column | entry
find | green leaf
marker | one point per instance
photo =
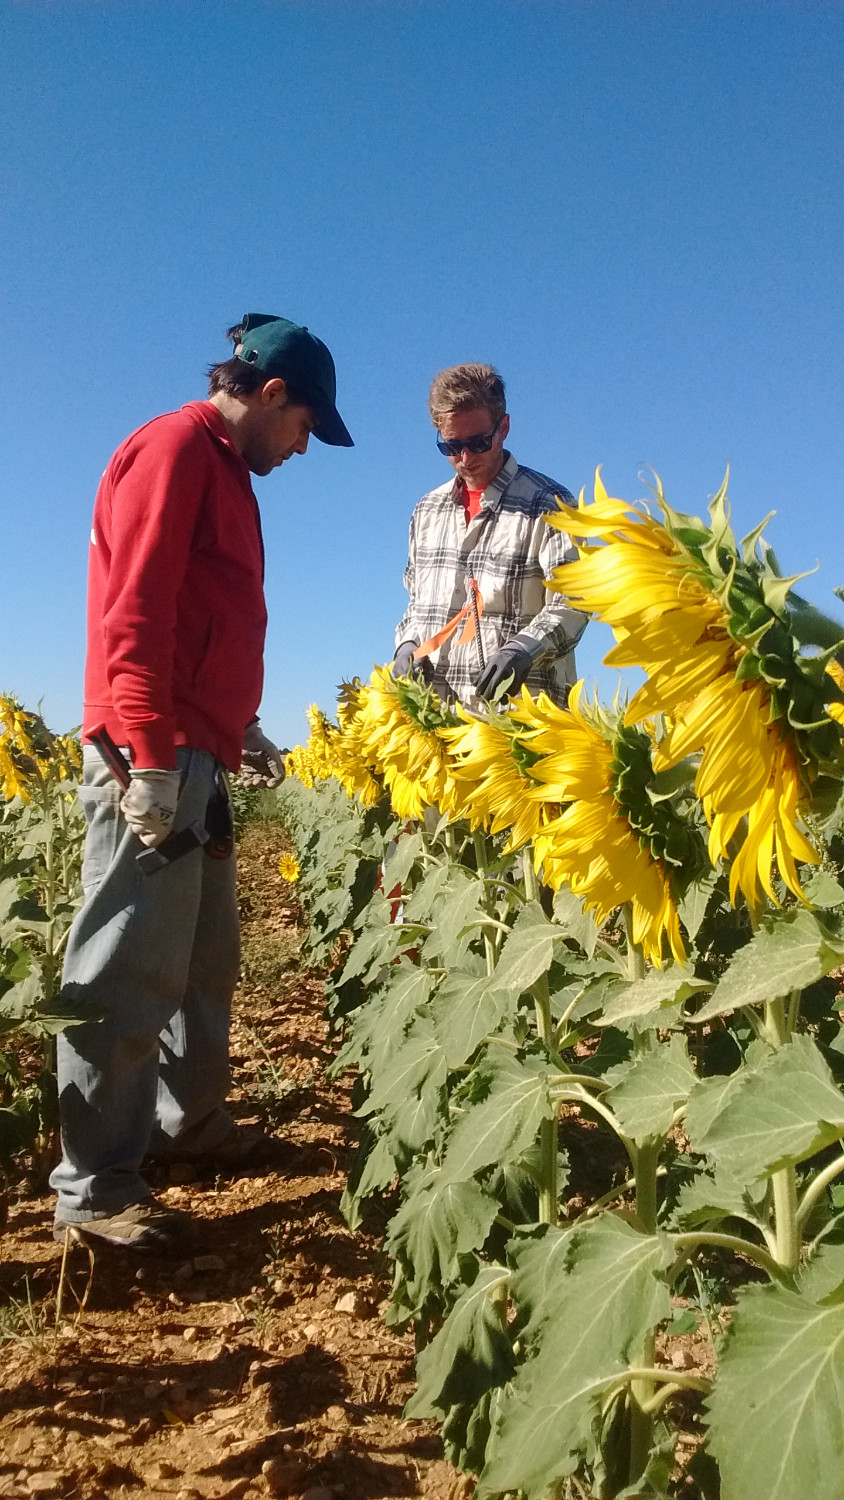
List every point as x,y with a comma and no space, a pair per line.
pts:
470,1354
527,951
373,1167
791,950
454,919
774,1112
375,949
605,1292
575,921
438,1222
823,1274
374,1031
823,890
692,908
707,1198
504,1122
468,1007
776,1413
415,1065
399,861
644,1093
652,1001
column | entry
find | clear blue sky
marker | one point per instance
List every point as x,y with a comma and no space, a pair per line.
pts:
633,209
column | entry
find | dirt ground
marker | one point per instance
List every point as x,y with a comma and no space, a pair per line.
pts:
257,1366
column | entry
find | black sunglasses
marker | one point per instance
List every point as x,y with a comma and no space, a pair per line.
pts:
480,443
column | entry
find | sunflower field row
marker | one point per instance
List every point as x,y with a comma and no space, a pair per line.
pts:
42,829
583,960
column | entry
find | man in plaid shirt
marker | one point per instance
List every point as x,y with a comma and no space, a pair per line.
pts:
487,525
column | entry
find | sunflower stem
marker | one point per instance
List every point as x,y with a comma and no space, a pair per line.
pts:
490,947
818,1187
783,1182
645,1158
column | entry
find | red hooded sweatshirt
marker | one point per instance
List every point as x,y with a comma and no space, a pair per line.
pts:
176,612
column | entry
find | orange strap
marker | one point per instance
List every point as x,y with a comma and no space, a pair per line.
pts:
468,632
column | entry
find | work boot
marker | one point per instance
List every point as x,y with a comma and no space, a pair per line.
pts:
141,1226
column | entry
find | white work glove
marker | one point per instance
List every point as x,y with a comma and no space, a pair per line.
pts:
149,804
261,762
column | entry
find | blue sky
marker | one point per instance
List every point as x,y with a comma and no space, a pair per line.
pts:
633,209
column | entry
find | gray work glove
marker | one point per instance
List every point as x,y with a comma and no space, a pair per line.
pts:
405,666
511,661
261,762
149,804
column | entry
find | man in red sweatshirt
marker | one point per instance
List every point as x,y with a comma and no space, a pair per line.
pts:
176,623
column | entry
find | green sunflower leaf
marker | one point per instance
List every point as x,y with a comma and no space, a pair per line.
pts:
471,1353
779,1109
652,1001
791,950
528,950
576,922
436,1224
504,1121
780,1437
604,1294
468,1008
645,1092
416,1063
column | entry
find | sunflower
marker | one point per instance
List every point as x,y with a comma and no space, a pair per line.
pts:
397,731
289,868
719,634
490,762
612,843
26,750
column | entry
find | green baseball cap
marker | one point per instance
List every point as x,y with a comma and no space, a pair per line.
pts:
286,350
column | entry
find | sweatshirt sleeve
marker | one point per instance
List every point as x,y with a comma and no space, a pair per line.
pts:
157,484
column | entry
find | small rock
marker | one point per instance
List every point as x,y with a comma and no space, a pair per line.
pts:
175,1300
310,1332
353,1303
208,1263
278,1285
49,1482
190,1335
183,1273
162,1470
142,1274
67,1331
337,1415
284,1476
212,1351
682,1360
181,1172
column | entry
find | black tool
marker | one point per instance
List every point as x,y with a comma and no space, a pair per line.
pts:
176,844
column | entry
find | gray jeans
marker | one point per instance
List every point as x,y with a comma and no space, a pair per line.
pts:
158,955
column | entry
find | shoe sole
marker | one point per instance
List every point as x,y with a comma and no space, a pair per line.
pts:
80,1234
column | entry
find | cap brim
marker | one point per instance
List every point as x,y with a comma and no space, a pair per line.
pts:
331,428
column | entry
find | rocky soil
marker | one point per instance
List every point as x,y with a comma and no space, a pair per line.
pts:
258,1365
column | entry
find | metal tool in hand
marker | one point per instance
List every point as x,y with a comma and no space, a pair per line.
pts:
176,844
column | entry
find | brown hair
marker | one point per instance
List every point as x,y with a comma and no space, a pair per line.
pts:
462,387
237,378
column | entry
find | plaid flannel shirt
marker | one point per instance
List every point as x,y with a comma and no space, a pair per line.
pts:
510,551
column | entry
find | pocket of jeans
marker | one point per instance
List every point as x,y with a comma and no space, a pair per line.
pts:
101,806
